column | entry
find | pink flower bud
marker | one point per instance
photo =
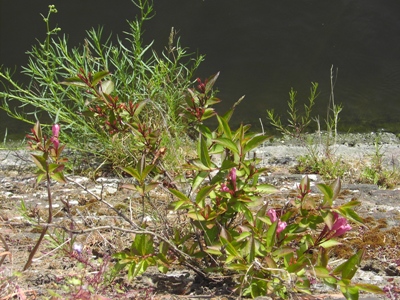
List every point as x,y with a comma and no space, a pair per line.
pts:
224,188
55,142
281,226
232,176
56,130
271,213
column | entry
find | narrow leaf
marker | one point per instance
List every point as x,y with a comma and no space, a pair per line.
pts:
210,82
224,127
59,176
255,142
227,143
266,188
330,243
328,194
203,154
179,195
369,288
99,76
203,193
40,162
336,186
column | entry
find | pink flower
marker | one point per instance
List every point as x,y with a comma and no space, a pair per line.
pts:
340,226
56,130
281,226
271,213
232,176
224,188
54,138
55,142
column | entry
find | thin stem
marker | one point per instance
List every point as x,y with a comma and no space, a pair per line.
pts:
49,219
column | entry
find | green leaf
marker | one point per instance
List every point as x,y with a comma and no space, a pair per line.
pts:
129,186
146,171
328,194
331,282
328,218
349,267
349,291
266,188
271,234
330,243
179,195
203,193
195,216
227,143
74,81
296,267
99,76
336,186
369,288
238,267
254,142
41,175
230,249
205,131
212,101
133,172
203,154
210,83
181,204
163,269
351,204
283,251
224,127
321,272
214,250
229,113
107,87
350,214
38,130
227,165
59,176
163,248
55,167
140,106
151,186
144,244
196,164
40,162
199,179
208,113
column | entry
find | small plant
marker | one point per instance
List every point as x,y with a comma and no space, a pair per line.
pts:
90,279
376,172
297,123
329,166
320,158
50,166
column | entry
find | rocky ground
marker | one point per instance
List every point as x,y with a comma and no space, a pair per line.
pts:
52,271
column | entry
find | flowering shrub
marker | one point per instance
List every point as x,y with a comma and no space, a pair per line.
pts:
270,248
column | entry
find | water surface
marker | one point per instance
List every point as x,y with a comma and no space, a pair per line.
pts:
261,48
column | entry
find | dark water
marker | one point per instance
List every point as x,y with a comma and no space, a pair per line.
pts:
262,48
